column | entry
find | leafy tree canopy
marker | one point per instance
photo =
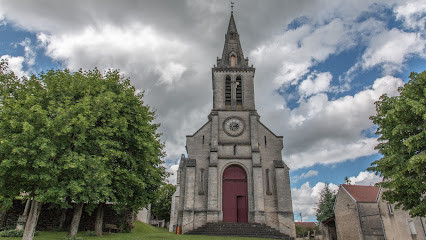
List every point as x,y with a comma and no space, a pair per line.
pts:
80,136
401,126
325,206
162,203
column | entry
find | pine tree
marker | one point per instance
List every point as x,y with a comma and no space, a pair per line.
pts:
325,207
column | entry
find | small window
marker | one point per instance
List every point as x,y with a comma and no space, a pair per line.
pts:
390,209
235,149
201,189
265,140
268,186
203,139
233,61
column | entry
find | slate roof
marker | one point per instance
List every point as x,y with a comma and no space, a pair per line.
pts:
362,193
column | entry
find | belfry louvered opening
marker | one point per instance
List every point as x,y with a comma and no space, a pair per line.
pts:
239,92
228,91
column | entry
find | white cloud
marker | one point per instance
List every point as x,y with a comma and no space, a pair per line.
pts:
413,13
327,132
306,198
30,54
112,46
2,20
304,175
15,64
290,55
315,83
170,73
392,48
365,178
172,170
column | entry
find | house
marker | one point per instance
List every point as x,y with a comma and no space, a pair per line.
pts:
360,213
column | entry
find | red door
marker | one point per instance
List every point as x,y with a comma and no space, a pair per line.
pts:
234,195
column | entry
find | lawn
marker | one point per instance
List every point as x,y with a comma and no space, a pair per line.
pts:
141,231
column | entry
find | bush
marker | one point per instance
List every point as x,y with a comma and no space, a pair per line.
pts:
90,233
72,238
12,233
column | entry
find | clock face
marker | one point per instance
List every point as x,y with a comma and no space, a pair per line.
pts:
233,126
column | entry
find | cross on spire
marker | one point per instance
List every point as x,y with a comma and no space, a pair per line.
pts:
232,7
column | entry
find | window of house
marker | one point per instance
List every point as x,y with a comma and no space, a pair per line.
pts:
390,209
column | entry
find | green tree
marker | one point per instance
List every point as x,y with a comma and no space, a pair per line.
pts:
325,206
401,126
347,181
82,137
161,205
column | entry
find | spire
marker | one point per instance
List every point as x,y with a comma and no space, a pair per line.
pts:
232,55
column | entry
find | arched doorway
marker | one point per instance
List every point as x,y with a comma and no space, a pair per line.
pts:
234,194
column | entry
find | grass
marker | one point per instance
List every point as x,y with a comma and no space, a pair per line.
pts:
141,231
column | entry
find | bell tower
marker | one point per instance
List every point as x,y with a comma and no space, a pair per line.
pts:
233,86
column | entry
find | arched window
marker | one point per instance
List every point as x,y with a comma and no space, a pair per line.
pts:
233,60
228,91
239,92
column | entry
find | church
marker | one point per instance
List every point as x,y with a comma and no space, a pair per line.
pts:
233,172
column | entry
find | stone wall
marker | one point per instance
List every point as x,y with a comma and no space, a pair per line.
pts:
55,218
396,222
347,218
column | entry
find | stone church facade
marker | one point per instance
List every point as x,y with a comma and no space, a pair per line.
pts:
234,170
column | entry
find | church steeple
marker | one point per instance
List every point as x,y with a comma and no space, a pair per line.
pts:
233,79
232,55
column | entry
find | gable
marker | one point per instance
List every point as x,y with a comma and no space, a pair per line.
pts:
362,193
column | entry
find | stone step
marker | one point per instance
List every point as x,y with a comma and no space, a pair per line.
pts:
239,229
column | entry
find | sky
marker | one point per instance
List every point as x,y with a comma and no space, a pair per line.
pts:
320,66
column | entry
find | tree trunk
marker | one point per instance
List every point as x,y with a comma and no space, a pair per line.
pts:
20,224
62,219
99,219
31,224
76,219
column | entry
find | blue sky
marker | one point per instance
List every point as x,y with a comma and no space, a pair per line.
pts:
320,65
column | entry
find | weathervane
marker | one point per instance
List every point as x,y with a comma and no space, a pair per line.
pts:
232,7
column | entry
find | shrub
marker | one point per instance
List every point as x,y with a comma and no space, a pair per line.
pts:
12,233
72,238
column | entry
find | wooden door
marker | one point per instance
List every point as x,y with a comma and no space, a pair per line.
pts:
234,195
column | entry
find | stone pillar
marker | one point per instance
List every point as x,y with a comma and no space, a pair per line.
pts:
213,211
212,201
215,131
188,208
175,205
285,208
258,198
259,205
